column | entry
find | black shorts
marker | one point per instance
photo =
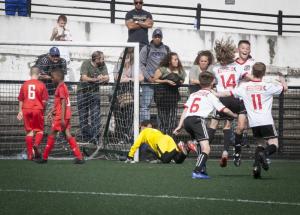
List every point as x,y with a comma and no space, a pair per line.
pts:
265,131
234,104
196,127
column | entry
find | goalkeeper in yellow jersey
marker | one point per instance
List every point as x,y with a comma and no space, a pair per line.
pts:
162,145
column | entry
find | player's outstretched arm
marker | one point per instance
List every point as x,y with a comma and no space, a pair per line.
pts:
180,125
230,113
283,82
221,94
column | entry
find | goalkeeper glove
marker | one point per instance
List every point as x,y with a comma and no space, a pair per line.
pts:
129,160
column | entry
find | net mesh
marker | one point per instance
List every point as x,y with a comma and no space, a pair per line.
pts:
102,113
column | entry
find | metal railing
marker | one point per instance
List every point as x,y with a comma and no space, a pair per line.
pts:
197,16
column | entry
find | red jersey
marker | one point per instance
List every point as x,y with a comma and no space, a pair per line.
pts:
62,92
33,94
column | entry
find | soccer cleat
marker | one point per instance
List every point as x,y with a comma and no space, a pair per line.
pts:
223,161
237,160
78,161
256,172
182,147
192,147
264,161
41,161
200,175
37,154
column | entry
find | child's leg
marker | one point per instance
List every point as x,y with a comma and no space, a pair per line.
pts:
73,144
272,146
38,138
50,144
212,129
29,144
202,158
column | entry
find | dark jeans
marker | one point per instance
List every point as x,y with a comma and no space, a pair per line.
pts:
89,110
16,6
167,117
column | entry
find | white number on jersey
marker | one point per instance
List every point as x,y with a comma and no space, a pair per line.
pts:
31,91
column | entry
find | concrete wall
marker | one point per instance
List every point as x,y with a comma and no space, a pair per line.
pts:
278,52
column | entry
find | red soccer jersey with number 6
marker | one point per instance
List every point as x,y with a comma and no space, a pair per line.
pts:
62,92
33,94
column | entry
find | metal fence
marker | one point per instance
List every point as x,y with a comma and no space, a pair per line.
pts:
286,112
196,16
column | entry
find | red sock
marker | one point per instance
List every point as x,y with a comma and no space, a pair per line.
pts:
75,148
49,146
38,139
28,140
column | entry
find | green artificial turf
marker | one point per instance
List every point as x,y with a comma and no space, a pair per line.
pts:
111,187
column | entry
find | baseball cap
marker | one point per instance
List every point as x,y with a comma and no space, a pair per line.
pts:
157,32
54,51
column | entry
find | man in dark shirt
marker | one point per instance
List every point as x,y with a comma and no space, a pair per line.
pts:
46,63
138,21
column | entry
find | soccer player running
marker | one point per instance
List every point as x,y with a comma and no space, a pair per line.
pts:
258,98
197,108
228,76
62,116
32,101
162,146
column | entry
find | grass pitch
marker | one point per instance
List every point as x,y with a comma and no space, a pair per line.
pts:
111,187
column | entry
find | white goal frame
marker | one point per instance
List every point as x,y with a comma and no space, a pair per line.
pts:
135,46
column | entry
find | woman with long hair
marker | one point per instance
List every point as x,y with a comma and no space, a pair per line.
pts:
169,77
202,63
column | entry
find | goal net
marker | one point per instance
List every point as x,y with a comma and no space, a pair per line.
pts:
105,114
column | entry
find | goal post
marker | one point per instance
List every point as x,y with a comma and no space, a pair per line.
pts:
79,51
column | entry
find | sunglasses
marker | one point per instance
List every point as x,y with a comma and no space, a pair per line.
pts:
138,2
55,55
157,36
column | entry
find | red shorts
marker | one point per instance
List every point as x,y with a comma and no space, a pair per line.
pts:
56,125
33,119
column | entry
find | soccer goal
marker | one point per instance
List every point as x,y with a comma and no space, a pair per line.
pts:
105,114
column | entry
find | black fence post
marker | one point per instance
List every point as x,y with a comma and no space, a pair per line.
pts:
279,22
280,121
29,8
112,11
198,16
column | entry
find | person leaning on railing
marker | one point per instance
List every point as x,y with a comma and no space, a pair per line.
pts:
92,73
170,75
48,62
150,58
202,63
124,105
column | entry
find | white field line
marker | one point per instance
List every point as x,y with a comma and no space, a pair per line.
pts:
194,198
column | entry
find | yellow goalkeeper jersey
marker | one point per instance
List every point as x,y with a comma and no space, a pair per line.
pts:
158,142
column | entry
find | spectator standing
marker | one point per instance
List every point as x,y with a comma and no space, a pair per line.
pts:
138,21
170,75
124,106
150,58
92,73
16,6
201,64
48,62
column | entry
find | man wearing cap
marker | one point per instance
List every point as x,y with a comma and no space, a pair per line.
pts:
138,21
46,63
150,58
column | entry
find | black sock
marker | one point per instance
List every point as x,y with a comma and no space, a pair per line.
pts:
198,149
238,143
271,149
201,161
227,138
211,133
256,156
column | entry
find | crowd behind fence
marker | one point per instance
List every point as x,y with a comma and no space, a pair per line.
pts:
286,114
196,16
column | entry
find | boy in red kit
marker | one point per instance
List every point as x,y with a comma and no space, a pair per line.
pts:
32,98
62,116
